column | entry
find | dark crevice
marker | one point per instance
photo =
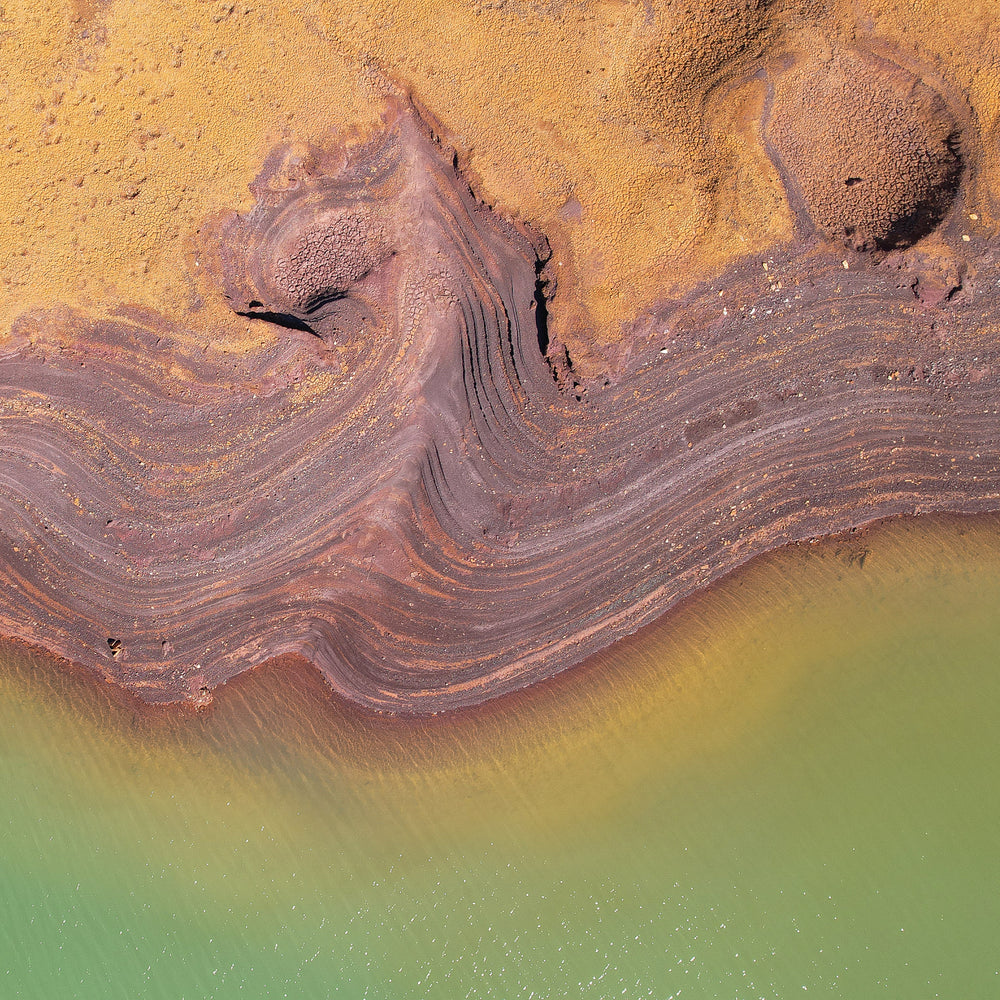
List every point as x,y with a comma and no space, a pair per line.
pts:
321,299
287,320
568,362
556,356
541,310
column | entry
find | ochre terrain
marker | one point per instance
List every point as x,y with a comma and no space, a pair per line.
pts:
411,489
495,359
628,132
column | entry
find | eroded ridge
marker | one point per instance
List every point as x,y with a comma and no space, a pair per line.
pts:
404,490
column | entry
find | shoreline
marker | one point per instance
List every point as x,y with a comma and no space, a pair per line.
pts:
294,679
413,489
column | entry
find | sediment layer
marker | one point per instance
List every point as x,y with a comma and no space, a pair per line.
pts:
414,490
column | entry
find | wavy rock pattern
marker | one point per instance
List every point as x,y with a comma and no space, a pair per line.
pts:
408,492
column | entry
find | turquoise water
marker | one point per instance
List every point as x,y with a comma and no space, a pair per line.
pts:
787,788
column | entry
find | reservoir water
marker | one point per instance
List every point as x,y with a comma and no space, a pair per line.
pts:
789,786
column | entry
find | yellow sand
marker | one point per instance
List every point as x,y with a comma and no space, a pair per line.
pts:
627,131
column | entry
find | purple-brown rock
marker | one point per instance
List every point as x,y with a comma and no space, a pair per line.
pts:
412,492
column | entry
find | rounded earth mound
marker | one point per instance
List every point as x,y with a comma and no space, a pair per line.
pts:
872,151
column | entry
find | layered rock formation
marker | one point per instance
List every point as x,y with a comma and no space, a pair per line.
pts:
413,488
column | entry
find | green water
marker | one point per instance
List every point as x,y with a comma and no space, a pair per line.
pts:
789,788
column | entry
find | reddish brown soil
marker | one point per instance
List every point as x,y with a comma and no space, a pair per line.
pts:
413,486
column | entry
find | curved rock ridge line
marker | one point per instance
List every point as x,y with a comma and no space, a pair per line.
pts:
407,490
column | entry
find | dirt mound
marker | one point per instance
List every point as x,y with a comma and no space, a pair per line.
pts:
397,489
871,151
